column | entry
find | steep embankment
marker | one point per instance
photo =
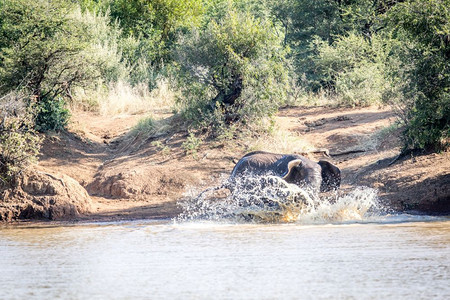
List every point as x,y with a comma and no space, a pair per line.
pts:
41,195
365,144
142,176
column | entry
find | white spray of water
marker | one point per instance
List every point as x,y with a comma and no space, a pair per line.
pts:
354,205
270,199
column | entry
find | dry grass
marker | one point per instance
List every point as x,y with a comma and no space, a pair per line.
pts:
330,99
280,141
321,98
122,98
150,126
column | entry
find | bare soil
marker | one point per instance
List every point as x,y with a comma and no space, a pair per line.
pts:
132,177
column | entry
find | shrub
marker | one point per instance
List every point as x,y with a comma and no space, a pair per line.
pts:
42,46
160,147
353,67
191,145
304,21
104,49
361,86
51,115
145,126
153,25
150,128
232,71
51,48
19,142
423,28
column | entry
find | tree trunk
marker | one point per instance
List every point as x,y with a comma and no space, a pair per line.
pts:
230,96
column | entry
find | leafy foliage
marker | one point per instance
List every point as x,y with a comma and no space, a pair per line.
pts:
234,70
19,142
191,145
154,23
160,147
51,115
42,43
50,47
353,67
235,61
425,92
305,22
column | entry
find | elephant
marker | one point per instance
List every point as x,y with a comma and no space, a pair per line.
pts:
320,176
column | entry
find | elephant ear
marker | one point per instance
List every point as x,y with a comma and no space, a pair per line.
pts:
331,176
291,169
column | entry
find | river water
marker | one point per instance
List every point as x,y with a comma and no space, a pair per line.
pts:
391,257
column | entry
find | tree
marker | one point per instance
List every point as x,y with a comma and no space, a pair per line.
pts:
423,27
305,22
155,23
19,143
42,46
50,47
236,67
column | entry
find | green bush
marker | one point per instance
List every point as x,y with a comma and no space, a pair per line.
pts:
353,67
423,95
19,142
42,46
144,126
191,145
231,71
304,21
104,49
140,55
51,115
361,86
161,148
52,47
153,25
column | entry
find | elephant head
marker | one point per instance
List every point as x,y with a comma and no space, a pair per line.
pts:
331,176
323,176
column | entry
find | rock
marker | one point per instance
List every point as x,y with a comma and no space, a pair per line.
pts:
316,123
40,195
146,183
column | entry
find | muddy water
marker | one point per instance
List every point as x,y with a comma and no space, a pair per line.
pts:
399,257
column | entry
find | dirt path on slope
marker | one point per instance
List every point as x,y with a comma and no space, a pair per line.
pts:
143,177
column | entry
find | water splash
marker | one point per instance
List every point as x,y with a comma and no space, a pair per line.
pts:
356,204
270,199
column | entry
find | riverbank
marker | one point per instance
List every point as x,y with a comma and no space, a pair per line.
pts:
142,176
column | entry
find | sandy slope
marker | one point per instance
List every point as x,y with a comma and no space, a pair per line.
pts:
131,177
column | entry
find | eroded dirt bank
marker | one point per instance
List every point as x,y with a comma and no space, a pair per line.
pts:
98,171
